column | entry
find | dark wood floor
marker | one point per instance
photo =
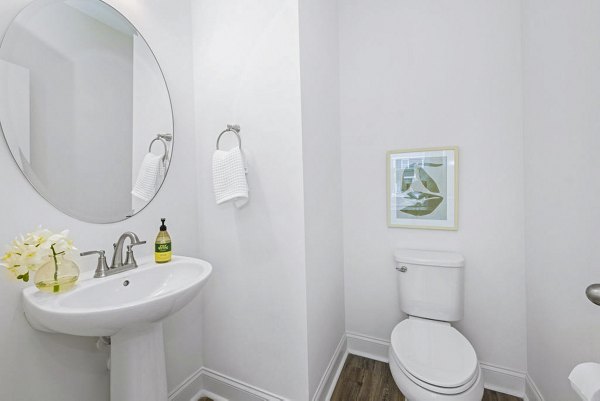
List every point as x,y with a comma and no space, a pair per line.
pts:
364,379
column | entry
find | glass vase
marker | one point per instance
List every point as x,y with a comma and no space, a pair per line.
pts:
59,274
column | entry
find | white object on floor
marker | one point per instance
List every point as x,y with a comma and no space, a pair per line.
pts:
585,380
229,177
429,359
149,178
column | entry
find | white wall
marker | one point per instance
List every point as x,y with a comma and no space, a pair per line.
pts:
319,62
247,72
562,124
424,74
37,365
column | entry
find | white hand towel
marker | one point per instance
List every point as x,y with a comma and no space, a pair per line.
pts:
229,177
149,178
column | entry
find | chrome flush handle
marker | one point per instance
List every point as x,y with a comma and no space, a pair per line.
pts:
402,269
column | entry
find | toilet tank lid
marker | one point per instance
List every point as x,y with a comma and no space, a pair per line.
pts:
429,258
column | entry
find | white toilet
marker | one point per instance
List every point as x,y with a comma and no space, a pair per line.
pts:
429,359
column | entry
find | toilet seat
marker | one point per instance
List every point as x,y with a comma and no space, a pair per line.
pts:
436,389
434,355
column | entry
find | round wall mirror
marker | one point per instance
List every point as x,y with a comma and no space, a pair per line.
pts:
85,109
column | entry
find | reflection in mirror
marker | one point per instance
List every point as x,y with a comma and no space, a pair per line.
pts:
85,108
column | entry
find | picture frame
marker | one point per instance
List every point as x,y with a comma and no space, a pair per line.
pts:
422,188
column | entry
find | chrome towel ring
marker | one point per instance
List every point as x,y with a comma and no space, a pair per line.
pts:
233,129
163,138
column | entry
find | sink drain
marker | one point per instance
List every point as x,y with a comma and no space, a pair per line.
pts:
125,283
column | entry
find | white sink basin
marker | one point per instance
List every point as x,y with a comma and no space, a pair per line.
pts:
103,306
128,307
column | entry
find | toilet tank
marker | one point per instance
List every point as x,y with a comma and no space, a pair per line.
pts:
430,284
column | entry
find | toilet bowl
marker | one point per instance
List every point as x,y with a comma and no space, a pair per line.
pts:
429,359
432,361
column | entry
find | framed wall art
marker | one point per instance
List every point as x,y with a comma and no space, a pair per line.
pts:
422,188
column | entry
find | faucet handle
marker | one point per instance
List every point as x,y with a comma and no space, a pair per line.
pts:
102,266
88,253
129,257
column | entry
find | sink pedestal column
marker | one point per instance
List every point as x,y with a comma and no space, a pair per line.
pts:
137,364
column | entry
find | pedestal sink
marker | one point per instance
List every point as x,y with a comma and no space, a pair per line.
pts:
129,307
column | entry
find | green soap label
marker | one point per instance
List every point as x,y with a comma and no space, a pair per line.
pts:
162,247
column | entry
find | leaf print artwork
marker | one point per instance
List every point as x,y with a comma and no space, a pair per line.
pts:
421,187
420,194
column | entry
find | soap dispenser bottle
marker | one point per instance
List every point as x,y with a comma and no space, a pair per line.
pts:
162,248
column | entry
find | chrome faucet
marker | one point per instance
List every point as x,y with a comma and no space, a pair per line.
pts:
117,260
117,266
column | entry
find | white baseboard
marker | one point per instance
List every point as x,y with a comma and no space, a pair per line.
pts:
496,378
369,347
208,383
503,380
332,373
532,393
336,377
190,386
208,394
234,390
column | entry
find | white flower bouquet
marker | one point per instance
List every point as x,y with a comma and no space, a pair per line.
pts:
27,253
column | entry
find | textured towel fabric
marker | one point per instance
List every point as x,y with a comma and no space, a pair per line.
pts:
229,177
149,178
